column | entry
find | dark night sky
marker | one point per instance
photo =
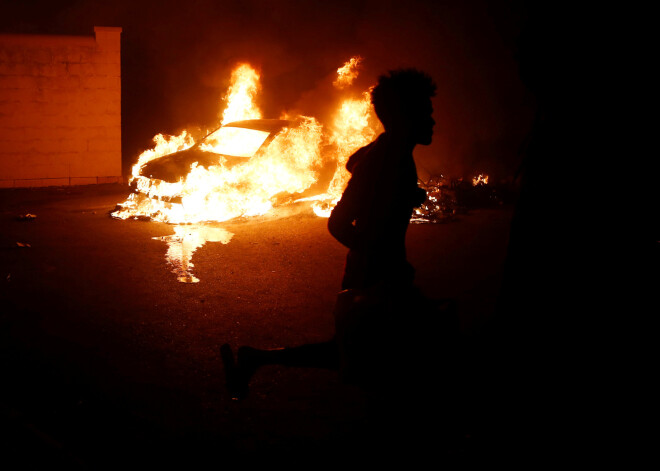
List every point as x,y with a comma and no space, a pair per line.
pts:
177,56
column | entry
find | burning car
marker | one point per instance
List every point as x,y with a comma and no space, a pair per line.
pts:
229,145
249,165
242,168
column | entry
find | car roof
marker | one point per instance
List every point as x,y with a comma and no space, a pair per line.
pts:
267,125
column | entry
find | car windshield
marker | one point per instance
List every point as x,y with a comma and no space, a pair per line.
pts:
237,142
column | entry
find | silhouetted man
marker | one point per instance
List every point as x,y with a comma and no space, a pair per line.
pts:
371,219
372,216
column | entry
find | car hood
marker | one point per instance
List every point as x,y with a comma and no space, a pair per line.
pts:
173,167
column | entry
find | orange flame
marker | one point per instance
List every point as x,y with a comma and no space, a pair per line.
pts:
219,193
164,145
241,94
480,179
286,166
347,73
355,125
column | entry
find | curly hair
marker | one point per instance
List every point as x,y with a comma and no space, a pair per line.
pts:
401,92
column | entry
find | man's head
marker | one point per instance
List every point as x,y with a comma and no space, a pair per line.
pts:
402,101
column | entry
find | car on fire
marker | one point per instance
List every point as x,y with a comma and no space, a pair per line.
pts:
232,144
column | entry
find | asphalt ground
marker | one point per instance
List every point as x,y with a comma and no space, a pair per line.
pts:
107,359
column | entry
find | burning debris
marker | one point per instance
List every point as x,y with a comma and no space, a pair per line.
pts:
478,193
440,205
447,198
480,179
249,164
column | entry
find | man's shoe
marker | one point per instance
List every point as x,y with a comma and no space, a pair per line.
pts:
234,380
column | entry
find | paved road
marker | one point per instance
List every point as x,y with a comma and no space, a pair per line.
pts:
105,353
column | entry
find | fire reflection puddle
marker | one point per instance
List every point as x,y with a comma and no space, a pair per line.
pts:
183,243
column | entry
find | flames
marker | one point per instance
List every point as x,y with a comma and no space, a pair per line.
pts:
480,179
287,166
164,145
241,95
355,126
347,73
218,193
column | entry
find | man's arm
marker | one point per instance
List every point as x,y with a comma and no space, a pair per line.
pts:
340,223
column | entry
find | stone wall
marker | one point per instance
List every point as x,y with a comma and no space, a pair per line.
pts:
60,109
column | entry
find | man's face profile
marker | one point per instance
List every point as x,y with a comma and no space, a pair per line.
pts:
422,123
402,101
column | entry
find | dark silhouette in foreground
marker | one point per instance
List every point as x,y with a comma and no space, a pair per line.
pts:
384,326
542,351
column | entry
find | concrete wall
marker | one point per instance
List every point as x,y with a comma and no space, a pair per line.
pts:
60,109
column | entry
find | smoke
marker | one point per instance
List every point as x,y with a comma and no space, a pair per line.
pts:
177,58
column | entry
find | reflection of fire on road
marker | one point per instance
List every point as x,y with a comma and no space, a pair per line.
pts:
183,243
